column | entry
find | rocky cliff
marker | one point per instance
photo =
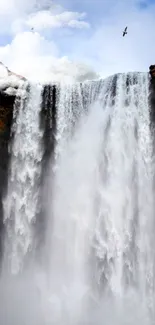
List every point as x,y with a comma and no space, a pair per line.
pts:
9,84
6,113
152,93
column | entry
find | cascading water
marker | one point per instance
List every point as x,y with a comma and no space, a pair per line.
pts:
123,241
98,265
71,221
21,202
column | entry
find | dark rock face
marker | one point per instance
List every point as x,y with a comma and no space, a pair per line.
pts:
152,94
48,126
152,71
6,111
6,115
48,120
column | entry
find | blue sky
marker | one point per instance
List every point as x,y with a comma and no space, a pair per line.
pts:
76,38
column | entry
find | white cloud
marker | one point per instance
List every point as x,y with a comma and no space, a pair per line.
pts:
32,56
46,19
78,24
16,7
12,10
30,53
17,15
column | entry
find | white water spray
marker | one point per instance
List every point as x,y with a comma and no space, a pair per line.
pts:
21,202
102,207
100,229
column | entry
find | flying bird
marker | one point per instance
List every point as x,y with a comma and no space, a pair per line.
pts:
125,31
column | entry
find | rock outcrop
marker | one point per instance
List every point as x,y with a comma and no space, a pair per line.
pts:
152,71
152,94
9,84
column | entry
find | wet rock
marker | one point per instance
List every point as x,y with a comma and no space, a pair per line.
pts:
152,71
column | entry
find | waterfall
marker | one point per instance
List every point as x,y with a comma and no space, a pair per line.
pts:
21,201
97,264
